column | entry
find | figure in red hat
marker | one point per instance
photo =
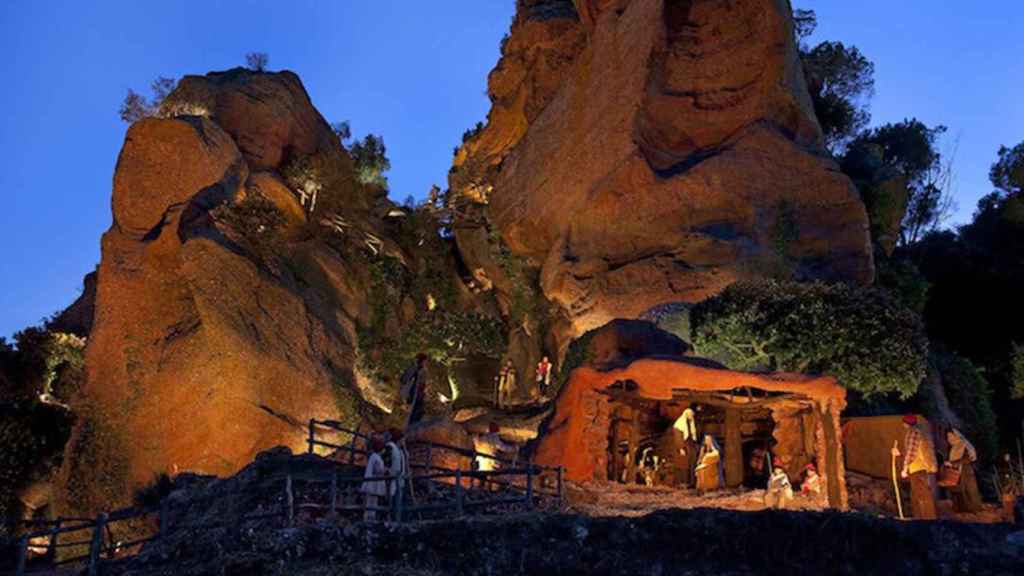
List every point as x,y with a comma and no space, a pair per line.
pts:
811,485
919,464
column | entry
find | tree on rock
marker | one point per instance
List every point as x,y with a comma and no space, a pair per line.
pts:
257,61
135,106
859,336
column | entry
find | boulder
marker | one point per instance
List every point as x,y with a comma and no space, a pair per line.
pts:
269,115
710,166
201,353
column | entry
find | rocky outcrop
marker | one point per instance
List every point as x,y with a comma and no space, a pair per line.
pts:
686,128
224,319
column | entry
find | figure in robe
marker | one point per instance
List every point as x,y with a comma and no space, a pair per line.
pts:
780,492
710,470
679,449
506,385
543,376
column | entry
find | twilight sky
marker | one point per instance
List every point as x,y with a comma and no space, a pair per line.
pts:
412,71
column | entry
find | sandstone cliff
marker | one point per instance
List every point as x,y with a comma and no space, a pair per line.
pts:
642,151
229,307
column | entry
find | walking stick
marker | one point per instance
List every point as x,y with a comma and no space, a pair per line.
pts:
895,482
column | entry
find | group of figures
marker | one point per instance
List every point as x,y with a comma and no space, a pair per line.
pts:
387,466
693,464
920,467
506,384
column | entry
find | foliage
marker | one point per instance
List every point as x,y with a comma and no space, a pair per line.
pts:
472,133
135,106
32,438
910,149
970,398
579,354
1017,371
1007,174
859,336
257,61
343,130
525,300
257,221
841,82
904,282
786,230
371,161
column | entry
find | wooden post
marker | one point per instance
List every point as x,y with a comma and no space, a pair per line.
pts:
458,490
559,487
312,434
733,448
54,534
430,458
334,491
290,497
22,555
352,447
529,485
97,544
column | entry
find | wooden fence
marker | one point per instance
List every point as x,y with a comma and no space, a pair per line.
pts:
96,533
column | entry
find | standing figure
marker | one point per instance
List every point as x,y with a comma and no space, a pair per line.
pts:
543,376
680,449
918,465
648,466
961,458
506,385
710,475
396,461
780,492
373,490
811,486
414,388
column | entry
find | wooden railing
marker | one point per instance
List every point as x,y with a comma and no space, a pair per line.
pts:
102,545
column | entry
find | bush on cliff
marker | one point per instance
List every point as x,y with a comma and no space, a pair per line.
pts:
859,336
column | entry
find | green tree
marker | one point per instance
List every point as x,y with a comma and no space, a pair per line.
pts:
371,161
859,336
1007,174
841,81
1017,371
911,149
135,106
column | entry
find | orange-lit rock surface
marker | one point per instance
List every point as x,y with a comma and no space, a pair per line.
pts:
652,151
577,435
205,350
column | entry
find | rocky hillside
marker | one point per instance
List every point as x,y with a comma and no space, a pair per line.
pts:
638,152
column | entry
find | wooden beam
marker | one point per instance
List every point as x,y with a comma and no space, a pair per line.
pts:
733,448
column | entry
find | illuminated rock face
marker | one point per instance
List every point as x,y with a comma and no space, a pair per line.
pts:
653,151
201,354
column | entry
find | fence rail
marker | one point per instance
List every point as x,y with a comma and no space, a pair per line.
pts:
397,508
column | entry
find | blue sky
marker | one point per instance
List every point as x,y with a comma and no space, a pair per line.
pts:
412,71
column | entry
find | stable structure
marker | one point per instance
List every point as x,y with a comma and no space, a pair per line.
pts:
797,417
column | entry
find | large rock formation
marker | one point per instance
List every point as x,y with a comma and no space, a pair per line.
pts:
645,151
223,319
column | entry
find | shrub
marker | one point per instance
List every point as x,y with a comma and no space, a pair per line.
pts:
859,336
150,495
970,397
135,106
257,61
371,162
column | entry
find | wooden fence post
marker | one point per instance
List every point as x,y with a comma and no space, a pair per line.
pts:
399,489
97,544
529,486
352,446
458,490
290,498
54,534
22,555
334,491
312,434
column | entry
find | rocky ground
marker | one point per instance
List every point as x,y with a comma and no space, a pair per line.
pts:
699,541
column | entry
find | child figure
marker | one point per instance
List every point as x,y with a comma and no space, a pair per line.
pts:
780,491
811,486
